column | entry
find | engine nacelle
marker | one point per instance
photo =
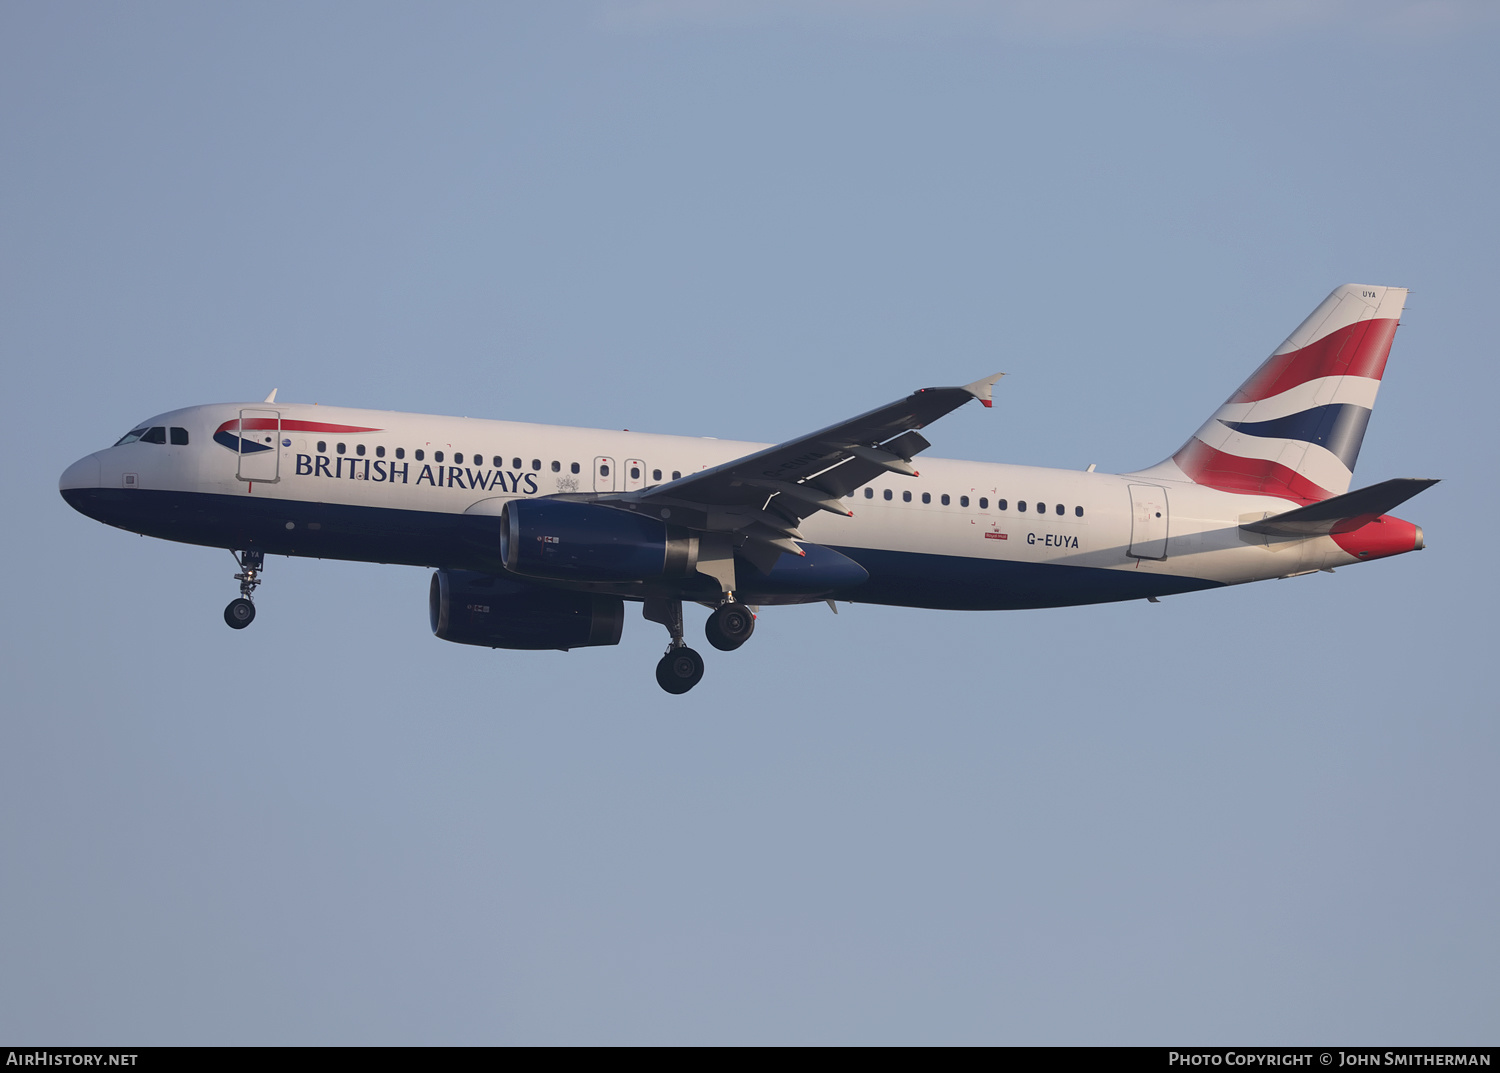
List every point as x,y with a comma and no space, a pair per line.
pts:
479,609
556,538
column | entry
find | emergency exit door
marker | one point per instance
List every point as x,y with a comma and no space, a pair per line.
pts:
604,474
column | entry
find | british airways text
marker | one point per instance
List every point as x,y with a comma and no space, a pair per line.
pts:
381,469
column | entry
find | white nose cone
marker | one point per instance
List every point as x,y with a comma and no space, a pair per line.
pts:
81,474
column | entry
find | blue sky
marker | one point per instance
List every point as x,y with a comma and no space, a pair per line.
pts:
1263,815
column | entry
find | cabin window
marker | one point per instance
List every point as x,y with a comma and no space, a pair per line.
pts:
946,500
418,455
359,448
400,452
380,452
635,473
1041,508
604,471
437,456
963,501
155,435
677,474
926,497
656,474
536,463
515,463
458,457
322,447
339,448
984,503
1061,510
1000,504
1078,511
179,436
888,493
1021,505
906,497
556,466
869,493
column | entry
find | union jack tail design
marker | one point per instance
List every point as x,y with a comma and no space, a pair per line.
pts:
1294,429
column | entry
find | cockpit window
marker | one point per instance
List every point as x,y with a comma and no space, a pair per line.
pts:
130,437
179,436
158,434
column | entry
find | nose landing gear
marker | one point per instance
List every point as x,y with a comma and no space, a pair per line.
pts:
241,612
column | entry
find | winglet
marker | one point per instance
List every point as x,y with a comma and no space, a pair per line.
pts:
980,389
272,396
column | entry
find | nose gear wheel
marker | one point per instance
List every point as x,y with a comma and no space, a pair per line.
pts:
241,612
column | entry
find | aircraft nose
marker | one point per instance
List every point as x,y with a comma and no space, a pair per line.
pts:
81,474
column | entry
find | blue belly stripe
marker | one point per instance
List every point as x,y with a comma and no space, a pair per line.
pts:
472,542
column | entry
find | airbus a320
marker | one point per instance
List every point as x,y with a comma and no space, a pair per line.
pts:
539,535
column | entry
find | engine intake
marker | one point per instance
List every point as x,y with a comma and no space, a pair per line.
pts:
479,609
552,538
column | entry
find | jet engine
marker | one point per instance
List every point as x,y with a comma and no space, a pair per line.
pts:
566,541
478,609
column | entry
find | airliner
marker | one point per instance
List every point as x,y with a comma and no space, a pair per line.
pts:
539,534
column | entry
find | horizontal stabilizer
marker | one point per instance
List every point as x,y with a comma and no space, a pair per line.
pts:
1355,508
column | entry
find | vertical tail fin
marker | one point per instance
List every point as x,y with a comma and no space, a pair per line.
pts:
1294,429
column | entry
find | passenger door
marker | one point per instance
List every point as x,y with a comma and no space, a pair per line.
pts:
260,450
1148,521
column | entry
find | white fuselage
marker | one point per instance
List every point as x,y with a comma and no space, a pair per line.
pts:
980,511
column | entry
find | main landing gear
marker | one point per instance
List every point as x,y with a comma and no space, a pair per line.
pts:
240,613
681,668
730,626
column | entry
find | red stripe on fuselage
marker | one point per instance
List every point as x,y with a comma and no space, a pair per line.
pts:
290,426
1355,350
1255,476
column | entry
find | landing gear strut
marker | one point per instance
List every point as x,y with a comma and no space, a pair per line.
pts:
730,625
240,613
681,668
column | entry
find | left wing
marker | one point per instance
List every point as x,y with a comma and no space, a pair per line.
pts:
761,497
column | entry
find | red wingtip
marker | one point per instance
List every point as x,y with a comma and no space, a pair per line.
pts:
987,403
916,473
